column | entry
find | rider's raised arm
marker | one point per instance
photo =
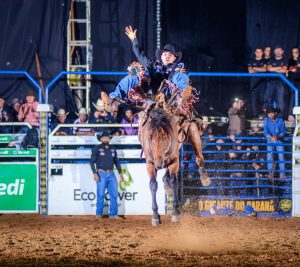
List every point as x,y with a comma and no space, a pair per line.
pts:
137,50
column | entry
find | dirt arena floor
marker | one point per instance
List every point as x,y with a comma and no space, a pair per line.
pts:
32,240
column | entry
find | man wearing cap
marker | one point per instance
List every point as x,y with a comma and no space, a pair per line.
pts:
275,85
167,66
82,119
28,111
103,159
5,115
61,118
274,131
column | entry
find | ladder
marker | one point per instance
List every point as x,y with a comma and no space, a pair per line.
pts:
80,51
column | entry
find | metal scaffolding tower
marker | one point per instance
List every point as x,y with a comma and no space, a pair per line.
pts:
80,51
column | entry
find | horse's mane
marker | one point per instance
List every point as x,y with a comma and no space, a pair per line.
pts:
160,119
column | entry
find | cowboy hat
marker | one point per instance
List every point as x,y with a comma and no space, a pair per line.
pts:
61,112
102,134
168,48
99,105
271,110
82,111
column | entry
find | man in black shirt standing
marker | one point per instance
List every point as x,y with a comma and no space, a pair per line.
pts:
275,85
104,156
258,84
267,54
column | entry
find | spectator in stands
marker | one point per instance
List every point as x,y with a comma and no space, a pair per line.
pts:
275,85
115,112
258,165
267,54
15,107
236,118
129,119
101,116
5,115
218,166
102,162
82,119
257,84
28,112
294,76
237,175
61,118
274,130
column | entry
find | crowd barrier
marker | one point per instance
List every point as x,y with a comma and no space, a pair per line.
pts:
19,174
71,179
48,166
237,186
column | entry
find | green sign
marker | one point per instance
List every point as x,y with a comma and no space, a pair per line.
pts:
6,138
18,188
6,152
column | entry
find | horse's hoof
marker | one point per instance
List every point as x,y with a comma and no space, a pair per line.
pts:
155,222
175,218
205,180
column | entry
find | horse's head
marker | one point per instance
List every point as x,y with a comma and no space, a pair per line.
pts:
160,139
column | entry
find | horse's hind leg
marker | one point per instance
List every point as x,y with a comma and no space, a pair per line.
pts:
173,170
153,188
195,140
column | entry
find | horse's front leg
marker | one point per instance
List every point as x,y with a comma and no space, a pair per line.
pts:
194,138
153,187
173,170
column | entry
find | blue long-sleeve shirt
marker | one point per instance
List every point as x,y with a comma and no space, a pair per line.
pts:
274,128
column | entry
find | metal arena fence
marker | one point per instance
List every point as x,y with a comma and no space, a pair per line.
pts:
237,188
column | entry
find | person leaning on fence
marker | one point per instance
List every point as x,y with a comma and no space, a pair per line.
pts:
5,116
61,118
102,116
237,119
129,118
275,87
257,84
274,131
82,119
28,112
103,159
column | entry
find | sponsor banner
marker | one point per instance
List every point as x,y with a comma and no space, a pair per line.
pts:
248,207
72,190
86,154
11,152
92,140
18,188
6,138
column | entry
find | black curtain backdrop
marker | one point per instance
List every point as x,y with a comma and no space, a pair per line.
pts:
27,27
221,36
111,47
213,35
